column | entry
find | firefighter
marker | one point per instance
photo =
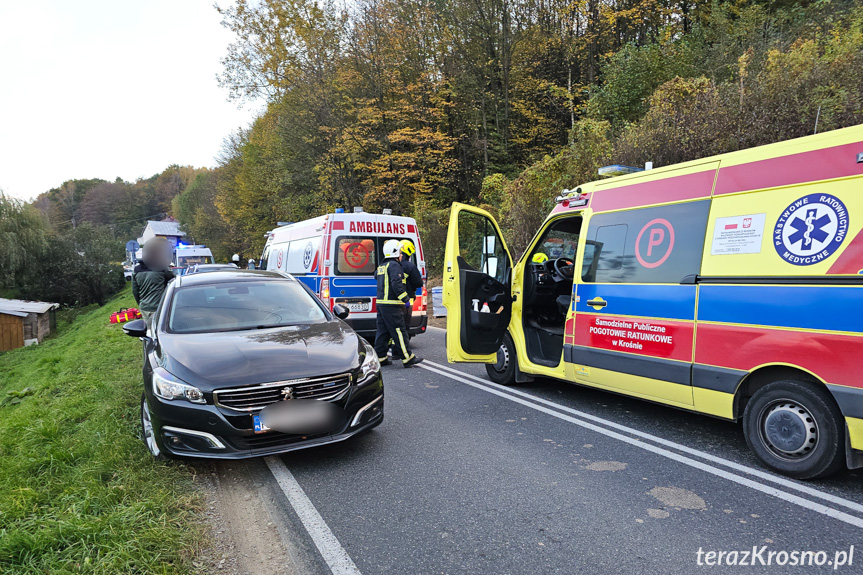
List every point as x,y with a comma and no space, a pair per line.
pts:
391,299
235,259
413,278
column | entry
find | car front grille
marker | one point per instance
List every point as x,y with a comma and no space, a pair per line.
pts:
270,440
256,397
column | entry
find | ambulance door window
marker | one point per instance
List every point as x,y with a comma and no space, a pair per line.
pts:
647,245
265,257
356,255
480,247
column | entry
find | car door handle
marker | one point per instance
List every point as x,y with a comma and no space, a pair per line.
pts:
597,303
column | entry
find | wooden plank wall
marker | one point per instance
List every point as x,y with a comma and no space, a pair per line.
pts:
11,332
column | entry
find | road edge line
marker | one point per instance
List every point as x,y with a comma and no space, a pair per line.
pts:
764,475
745,481
335,556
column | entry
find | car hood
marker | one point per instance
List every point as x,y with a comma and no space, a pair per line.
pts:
215,360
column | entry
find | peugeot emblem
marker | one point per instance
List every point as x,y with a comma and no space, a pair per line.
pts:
287,393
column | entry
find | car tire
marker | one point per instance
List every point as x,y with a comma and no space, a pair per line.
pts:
148,434
796,429
503,371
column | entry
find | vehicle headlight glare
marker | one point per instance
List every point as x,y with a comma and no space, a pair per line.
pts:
370,366
168,387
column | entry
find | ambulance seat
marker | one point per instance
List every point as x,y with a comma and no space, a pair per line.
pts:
563,303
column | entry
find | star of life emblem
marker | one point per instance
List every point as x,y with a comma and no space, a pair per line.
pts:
811,229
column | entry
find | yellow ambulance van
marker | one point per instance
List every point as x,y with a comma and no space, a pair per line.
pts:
730,286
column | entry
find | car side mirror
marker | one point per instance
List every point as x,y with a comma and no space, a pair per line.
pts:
341,311
136,328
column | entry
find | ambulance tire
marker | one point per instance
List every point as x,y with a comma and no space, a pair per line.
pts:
503,370
796,415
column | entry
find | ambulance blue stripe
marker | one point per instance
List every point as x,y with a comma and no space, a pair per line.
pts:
831,308
356,286
644,300
310,281
353,281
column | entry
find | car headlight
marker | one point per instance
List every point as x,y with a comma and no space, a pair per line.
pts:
370,366
169,387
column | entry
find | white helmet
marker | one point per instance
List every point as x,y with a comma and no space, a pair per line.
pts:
391,249
235,258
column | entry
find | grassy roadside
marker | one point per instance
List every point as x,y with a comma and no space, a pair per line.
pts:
78,491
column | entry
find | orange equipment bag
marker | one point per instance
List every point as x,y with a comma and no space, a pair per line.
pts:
125,314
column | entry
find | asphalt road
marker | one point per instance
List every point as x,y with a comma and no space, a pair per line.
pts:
465,477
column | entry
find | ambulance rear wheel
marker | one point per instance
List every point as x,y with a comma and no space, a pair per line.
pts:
503,370
796,429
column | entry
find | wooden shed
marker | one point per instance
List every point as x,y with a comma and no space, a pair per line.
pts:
21,321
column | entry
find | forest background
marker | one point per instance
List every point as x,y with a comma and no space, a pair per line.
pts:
414,105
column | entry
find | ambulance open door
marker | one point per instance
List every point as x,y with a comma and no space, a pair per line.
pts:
477,278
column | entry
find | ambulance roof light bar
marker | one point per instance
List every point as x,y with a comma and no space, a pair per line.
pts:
387,212
571,198
618,170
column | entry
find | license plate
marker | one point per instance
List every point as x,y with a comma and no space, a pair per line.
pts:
259,425
362,306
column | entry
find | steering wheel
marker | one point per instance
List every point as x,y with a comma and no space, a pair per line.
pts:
564,268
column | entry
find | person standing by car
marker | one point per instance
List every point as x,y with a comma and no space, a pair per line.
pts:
413,278
152,275
391,298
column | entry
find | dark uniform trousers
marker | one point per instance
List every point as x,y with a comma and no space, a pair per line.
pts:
391,327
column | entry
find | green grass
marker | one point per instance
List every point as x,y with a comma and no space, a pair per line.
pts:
78,491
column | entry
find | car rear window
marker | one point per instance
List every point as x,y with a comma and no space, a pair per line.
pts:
192,260
242,306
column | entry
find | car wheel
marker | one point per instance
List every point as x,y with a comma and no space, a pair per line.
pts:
503,370
148,434
796,429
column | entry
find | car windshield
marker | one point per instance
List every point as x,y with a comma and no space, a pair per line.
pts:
242,306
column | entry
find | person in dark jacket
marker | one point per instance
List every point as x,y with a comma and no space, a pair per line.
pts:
391,298
152,275
413,278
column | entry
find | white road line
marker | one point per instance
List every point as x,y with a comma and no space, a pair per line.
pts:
338,560
763,475
788,497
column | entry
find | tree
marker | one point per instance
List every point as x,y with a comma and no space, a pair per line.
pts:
23,238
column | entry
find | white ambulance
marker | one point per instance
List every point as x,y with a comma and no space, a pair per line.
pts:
186,256
336,255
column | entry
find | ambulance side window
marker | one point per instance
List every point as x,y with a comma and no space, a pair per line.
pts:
647,245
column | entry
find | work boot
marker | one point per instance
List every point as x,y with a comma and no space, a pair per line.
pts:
385,361
414,360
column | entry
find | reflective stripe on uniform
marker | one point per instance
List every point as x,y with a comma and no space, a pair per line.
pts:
390,301
406,355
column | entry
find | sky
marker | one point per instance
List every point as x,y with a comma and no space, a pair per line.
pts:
108,88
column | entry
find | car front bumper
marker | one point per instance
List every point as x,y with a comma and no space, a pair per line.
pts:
190,430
